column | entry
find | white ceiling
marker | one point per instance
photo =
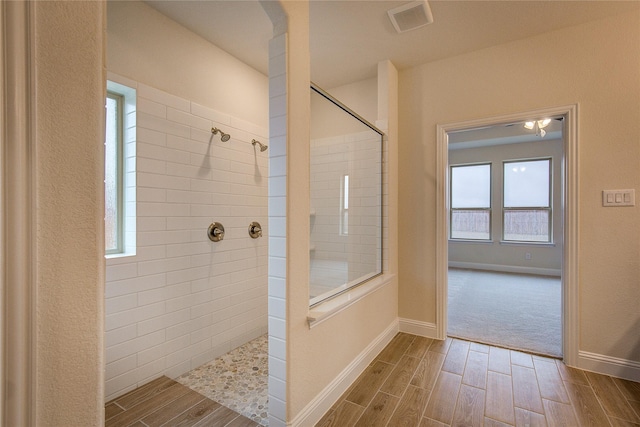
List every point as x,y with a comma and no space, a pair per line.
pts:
349,38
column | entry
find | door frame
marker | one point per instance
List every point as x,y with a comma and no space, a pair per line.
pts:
570,218
17,216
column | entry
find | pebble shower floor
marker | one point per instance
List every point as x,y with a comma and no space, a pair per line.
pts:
237,380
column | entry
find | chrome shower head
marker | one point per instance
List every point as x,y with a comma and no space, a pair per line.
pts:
262,146
224,137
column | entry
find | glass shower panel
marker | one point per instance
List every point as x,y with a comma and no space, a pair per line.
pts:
346,198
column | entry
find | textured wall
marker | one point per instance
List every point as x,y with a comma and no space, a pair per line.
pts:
69,83
595,65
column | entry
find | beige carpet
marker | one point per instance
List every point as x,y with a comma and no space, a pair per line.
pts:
509,310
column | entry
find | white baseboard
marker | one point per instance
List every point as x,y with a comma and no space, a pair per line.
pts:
612,366
415,327
315,410
506,268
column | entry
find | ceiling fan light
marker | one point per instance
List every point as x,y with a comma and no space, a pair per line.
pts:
529,125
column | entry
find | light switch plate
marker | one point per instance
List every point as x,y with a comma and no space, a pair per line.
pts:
619,197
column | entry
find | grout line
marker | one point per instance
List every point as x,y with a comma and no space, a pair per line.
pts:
186,410
230,422
513,393
426,403
573,406
399,399
606,413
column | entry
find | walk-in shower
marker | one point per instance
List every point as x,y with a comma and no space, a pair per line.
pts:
182,300
192,308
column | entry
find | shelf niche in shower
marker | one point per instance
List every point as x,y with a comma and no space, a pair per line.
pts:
346,198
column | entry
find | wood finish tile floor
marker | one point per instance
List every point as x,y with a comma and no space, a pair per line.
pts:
164,402
416,381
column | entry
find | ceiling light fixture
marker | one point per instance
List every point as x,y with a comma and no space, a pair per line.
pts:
538,126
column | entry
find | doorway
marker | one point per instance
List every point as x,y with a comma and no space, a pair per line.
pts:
504,235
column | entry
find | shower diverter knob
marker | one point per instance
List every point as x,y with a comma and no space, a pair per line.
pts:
215,232
255,230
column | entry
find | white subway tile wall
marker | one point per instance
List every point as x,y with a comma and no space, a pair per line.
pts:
183,300
278,232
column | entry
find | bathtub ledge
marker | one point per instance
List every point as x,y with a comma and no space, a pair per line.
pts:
329,308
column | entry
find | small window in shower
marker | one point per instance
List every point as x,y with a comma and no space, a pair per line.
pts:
346,199
119,170
113,179
344,208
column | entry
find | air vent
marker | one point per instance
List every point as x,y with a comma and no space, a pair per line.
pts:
410,16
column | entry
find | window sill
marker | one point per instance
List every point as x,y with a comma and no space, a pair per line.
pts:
509,242
502,242
120,255
327,309
465,241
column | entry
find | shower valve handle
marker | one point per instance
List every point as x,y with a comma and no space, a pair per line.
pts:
255,230
215,232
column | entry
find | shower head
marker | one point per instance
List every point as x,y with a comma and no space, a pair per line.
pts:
262,146
224,137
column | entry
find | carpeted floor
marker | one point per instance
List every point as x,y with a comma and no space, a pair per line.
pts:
510,310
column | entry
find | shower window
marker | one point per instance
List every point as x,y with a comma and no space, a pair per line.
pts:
346,198
344,210
120,170
113,179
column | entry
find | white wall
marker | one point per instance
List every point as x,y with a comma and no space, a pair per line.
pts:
594,65
544,259
361,97
148,47
182,300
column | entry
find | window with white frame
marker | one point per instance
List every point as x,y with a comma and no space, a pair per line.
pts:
527,201
113,174
119,170
470,202
344,206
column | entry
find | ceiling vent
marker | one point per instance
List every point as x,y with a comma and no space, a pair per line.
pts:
410,16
